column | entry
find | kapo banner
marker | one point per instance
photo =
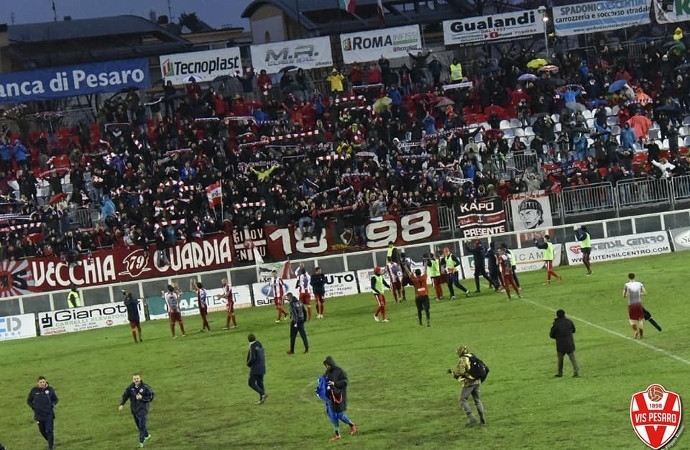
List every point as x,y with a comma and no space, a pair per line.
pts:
493,28
69,81
301,53
17,327
592,17
482,218
203,66
389,42
531,211
85,318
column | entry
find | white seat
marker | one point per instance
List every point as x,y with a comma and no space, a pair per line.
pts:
519,132
638,148
67,189
653,134
555,117
505,124
682,131
681,142
529,131
587,114
664,144
659,143
557,127
515,123
615,129
590,142
614,111
508,133
528,140
612,120
590,123
687,141
479,137
686,120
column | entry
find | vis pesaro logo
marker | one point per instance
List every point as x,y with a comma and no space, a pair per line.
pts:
656,414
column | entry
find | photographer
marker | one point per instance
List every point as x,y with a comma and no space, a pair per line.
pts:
470,386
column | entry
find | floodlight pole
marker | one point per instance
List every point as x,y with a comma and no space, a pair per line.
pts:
545,20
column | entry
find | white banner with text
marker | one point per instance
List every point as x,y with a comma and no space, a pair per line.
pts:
17,327
301,53
389,42
84,318
621,247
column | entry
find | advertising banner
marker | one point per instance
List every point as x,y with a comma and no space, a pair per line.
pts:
671,11
530,211
263,293
85,318
118,265
337,236
203,66
17,327
482,218
68,81
371,45
190,306
529,259
621,247
680,238
493,28
300,53
593,17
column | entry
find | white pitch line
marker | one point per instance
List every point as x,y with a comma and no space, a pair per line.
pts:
615,333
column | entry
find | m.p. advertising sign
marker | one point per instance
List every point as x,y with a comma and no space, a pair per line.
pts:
44,84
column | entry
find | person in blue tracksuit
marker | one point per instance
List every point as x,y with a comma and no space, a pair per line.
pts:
140,396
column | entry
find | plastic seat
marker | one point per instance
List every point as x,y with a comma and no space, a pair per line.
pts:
504,125
515,123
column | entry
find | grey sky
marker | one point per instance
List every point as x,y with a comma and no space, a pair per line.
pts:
216,13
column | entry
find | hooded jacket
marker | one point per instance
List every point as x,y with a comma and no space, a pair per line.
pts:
256,360
338,392
42,401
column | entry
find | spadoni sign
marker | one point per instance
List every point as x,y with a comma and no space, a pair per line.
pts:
203,66
85,318
592,17
493,28
44,84
17,327
388,42
301,53
656,414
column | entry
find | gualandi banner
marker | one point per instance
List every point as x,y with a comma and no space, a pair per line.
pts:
17,327
301,53
530,211
592,17
189,304
70,81
493,28
388,42
85,318
117,265
203,66
671,11
621,247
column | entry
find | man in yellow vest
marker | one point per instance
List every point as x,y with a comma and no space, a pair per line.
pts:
547,246
585,239
393,254
434,265
455,71
377,286
73,297
453,269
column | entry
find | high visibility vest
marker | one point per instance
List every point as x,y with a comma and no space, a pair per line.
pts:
378,283
390,251
435,269
548,252
450,263
586,242
456,72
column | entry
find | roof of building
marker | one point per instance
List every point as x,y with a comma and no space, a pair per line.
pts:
32,33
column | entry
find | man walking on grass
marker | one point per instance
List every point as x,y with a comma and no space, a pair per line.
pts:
298,314
42,400
470,386
140,396
256,361
562,331
132,305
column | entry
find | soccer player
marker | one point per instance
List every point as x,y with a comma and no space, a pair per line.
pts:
506,265
634,290
229,304
547,246
494,272
405,269
140,396
318,284
512,260
583,236
452,264
395,278
202,301
421,294
172,299
278,290
132,305
42,400
303,283
377,285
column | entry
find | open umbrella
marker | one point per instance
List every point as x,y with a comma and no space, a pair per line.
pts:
678,48
549,68
554,82
444,101
537,63
222,78
33,238
670,109
381,104
617,85
191,78
527,77
57,198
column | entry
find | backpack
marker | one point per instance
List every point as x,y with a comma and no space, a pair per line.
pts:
478,370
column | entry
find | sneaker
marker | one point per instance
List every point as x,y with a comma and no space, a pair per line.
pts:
548,283
420,323
147,438
306,350
428,324
560,278
226,328
184,335
376,318
353,429
289,352
467,293
202,331
576,375
262,399
337,437
141,444
519,296
482,421
234,326
452,297
471,422
141,340
558,375
277,321
386,320
174,337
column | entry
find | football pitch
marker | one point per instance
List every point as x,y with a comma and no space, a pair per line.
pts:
400,395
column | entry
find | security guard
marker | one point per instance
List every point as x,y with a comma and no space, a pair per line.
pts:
393,254
73,298
455,71
452,263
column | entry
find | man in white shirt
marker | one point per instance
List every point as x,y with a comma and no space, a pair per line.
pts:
633,291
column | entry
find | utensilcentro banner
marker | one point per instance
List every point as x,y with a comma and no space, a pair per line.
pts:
68,81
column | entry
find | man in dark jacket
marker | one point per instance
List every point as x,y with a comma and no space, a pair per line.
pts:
318,283
42,400
140,395
477,251
132,305
337,386
256,362
494,272
298,315
562,331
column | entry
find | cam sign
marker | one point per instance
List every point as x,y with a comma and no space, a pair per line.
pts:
69,81
389,43
301,53
203,66
17,327
494,28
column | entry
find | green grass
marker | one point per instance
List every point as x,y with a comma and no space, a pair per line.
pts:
399,394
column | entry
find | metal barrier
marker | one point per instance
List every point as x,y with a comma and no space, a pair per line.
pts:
587,199
526,162
681,187
643,191
446,218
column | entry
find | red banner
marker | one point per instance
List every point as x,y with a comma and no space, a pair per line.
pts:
118,265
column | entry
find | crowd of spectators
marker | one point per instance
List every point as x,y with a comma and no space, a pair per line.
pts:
367,141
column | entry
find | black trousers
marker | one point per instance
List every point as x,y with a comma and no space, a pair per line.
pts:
46,429
256,382
298,327
422,303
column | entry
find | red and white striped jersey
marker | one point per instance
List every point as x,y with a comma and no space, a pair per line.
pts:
227,293
303,283
277,287
393,272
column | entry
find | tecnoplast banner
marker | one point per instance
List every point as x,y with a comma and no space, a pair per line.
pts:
85,318
389,42
203,66
493,28
68,81
592,17
680,238
17,327
189,304
301,53
621,247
